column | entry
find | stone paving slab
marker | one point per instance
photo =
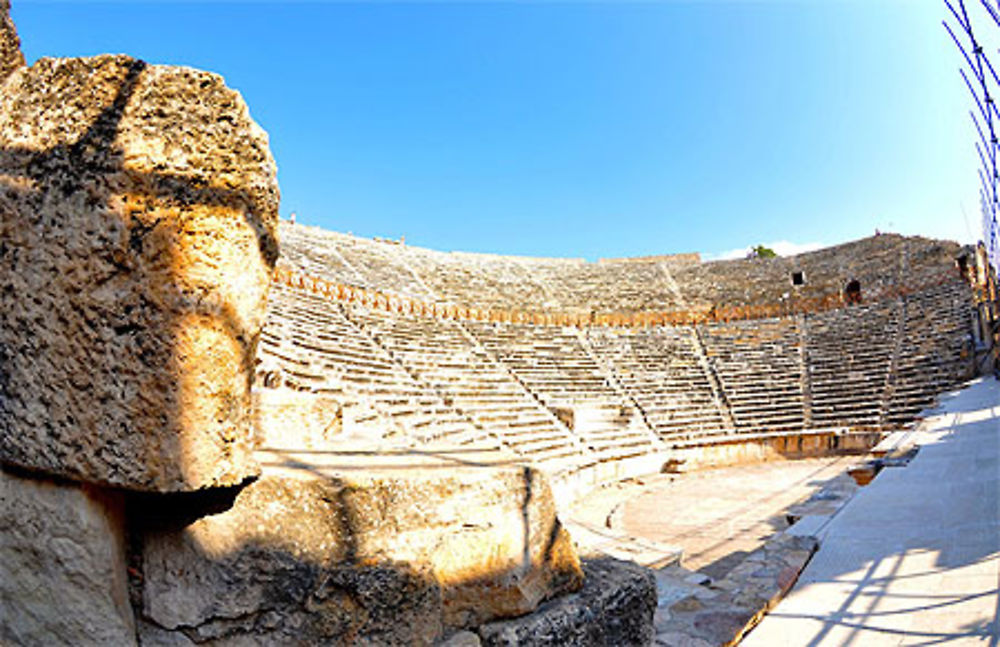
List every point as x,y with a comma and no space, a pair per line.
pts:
811,525
594,541
914,557
718,612
702,514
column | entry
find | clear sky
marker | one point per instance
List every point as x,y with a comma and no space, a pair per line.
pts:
592,129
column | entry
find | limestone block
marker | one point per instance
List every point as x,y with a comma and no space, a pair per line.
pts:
11,57
138,205
286,418
393,557
615,607
62,574
150,635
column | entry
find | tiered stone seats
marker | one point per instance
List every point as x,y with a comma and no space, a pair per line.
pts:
441,354
930,361
661,369
553,363
314,251
849,353
759,365
317,349
687,383
879,264
350,260
611,286
500,282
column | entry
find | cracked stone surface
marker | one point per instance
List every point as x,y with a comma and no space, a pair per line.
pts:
138,208
719,612
375,558
11,57
615,607
62,575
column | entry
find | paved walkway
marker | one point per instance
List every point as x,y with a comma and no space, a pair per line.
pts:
710,519
719,516
914,557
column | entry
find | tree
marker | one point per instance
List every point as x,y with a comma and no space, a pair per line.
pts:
761,252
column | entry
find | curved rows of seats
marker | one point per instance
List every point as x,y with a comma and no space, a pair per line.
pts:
879,264
554,364
310,345
874,262
442,355
760,366
849,359
661,369
933,351
567,398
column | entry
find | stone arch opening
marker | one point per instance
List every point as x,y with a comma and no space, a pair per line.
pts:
852,291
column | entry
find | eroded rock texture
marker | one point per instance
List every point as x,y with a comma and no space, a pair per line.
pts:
379,560
62,574
614,608
11,57
138,206
289,418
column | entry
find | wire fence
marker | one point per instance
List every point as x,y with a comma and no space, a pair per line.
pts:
974,28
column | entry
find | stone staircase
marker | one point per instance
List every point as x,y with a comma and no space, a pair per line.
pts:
441,355
759,370
659,367
552,363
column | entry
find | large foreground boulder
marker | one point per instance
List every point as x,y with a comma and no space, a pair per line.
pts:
377,558
11,57
138,206
62,570
615,608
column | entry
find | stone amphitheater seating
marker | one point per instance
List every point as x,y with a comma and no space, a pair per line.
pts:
931,353
608,286
414,456
554,364
760,368
570,398
849,356
661,369
318,349
443,355
346,259
501,282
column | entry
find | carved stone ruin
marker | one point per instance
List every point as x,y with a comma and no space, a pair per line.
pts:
139,204
138,218
11,57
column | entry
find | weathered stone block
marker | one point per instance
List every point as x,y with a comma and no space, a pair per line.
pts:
286,418
615,607
138,206
376,558
62,571
11,57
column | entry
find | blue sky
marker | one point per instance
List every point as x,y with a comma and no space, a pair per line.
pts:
592,129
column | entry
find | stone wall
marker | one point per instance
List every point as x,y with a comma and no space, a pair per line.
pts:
62,576
11,57
380,557
139,206
138,211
